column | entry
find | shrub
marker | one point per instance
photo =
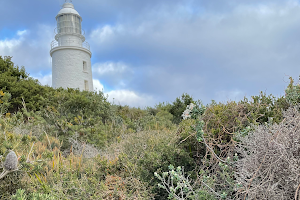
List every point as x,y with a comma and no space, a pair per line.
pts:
223,121
143,153
269,167
213,180
17,82
4,102
292,93
77,113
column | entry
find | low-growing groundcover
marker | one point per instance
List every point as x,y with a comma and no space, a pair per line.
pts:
75,145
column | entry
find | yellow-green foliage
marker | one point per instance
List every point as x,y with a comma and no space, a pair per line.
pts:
4,102
223,120
43,170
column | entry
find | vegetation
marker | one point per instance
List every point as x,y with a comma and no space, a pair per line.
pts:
71,144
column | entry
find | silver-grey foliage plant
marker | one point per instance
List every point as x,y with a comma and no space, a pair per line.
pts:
11,161
10,164
270,164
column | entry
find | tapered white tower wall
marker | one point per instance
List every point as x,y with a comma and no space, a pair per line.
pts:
71,55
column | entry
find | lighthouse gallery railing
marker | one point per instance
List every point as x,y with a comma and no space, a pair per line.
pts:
85,45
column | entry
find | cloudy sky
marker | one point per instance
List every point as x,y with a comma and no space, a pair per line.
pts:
146,52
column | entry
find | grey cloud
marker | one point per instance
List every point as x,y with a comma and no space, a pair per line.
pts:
116,74
240,51
32,51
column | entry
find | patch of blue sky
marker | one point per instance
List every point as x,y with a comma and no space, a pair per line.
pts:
42,73
6,34
106,86
193,10
94,58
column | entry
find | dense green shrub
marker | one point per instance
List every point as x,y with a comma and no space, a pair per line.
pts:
81,113
143,153
4,102
17,82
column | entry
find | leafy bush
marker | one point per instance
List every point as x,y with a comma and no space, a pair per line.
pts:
213,180
4,102
17,82
223,121
143,153
77,113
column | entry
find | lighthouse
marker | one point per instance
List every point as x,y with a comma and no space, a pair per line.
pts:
71,55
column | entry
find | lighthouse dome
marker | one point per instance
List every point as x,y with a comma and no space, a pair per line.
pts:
68,8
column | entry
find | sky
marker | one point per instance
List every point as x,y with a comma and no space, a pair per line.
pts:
149,52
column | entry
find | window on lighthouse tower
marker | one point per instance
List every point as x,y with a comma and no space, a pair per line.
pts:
86,85
84,66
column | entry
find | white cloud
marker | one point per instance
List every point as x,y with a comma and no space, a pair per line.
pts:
20,33
30,48
97,85
114,74
110,68
102,34
126,97
7,46
44,80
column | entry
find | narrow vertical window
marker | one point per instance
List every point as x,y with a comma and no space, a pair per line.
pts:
84,66
86,85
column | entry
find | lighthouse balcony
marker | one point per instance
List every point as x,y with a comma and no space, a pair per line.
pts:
69,30
70,43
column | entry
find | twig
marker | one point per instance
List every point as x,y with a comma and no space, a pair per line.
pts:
5,172
5,136
24,104
186,138
27,160
48,140
296,193
273,138
211,189
213,151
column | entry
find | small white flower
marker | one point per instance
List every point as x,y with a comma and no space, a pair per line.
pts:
186,114
191,106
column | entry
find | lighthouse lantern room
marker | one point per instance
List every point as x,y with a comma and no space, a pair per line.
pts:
71,55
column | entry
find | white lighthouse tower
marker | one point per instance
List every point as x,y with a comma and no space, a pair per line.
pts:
71,55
